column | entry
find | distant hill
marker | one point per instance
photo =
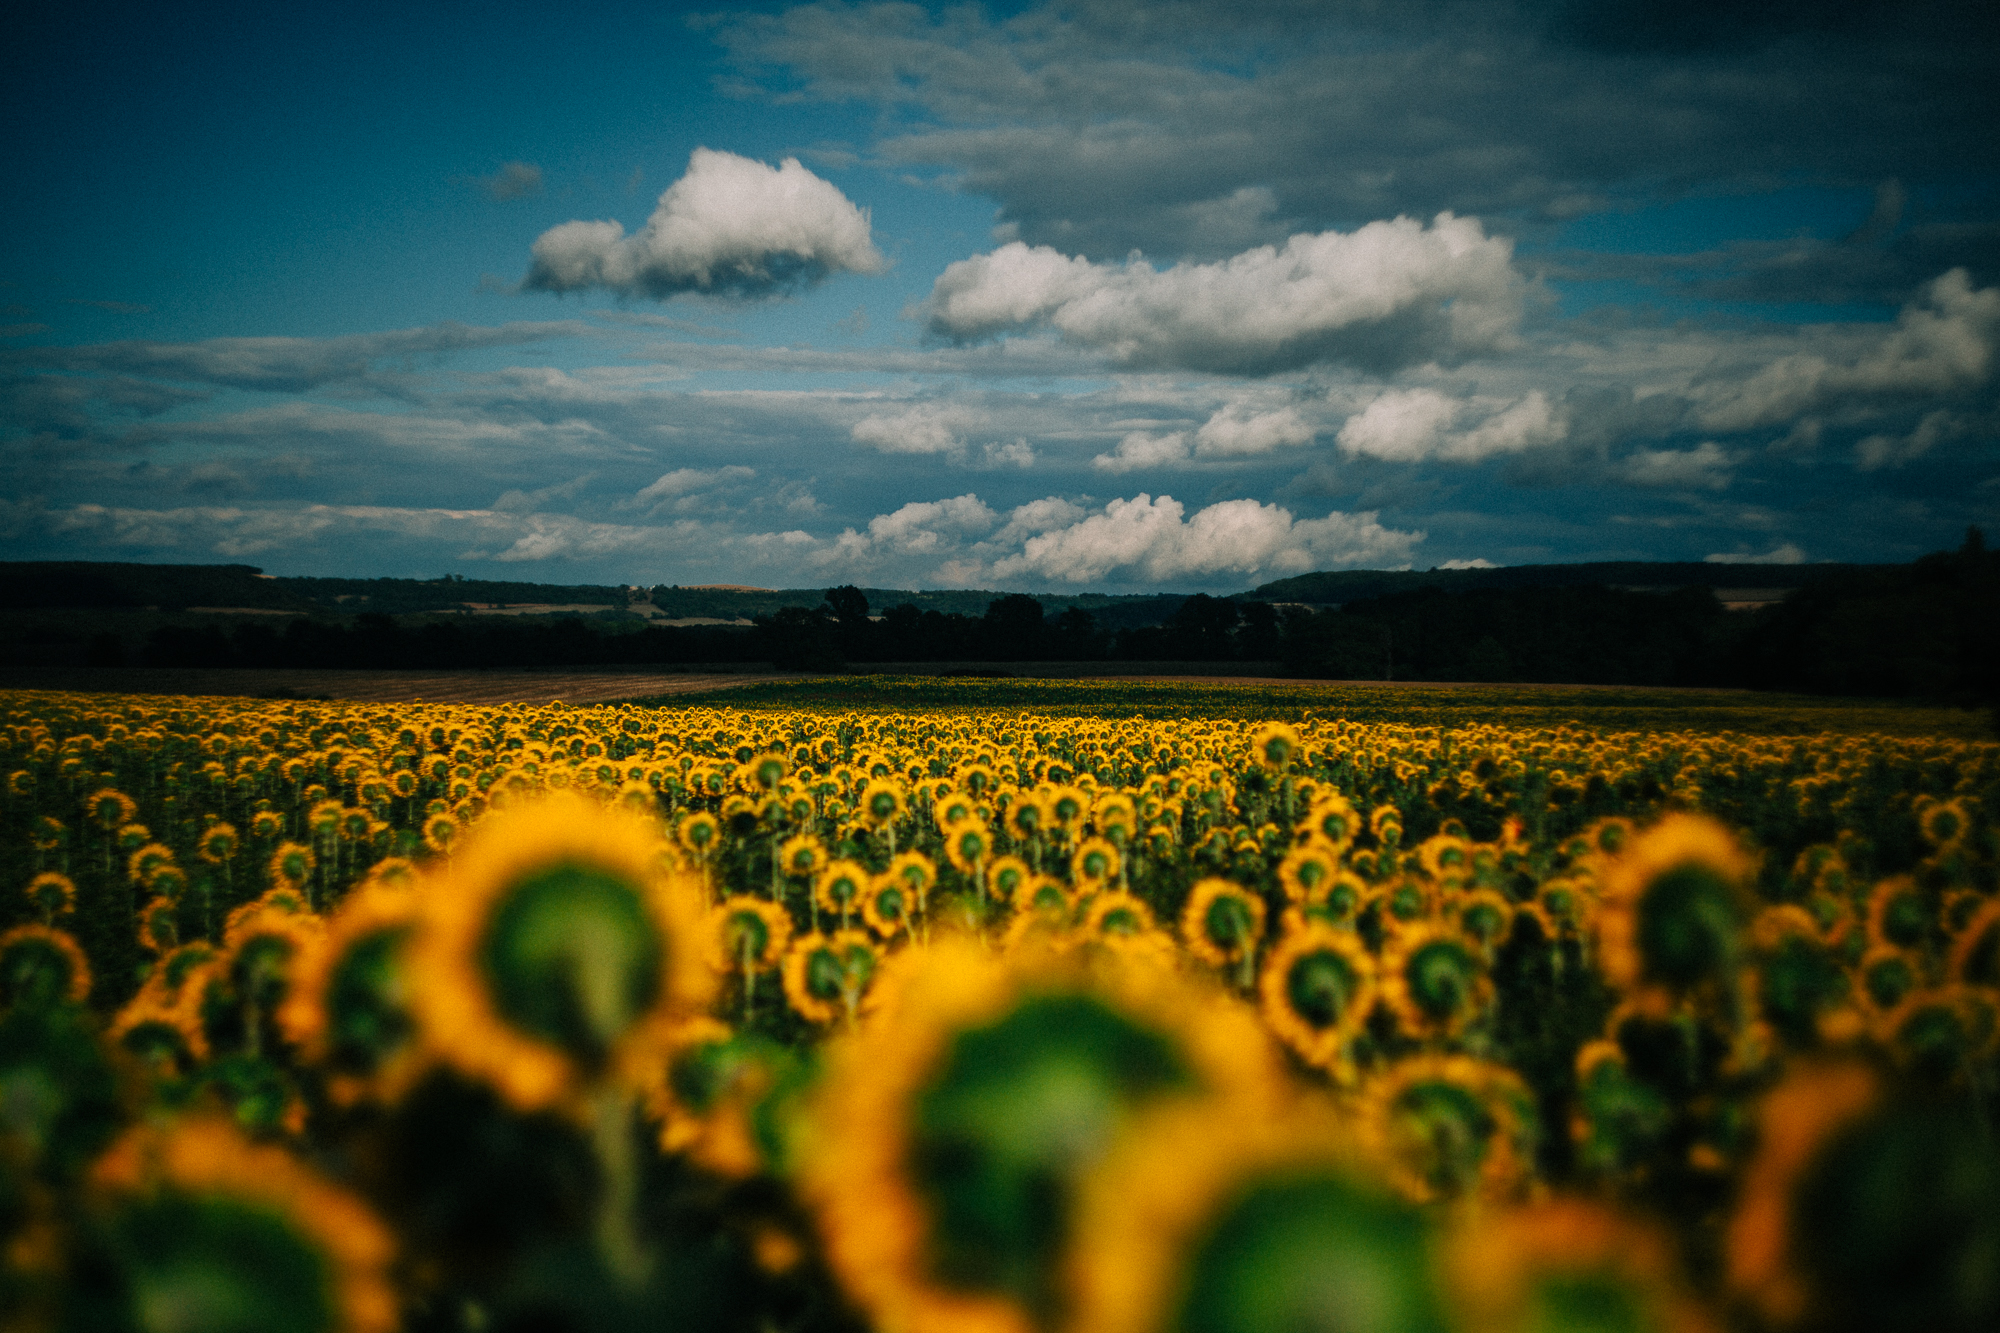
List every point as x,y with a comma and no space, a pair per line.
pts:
1332,588
87,584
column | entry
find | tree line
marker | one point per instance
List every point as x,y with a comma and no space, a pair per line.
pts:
1928,629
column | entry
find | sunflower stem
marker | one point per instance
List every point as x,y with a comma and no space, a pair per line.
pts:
617,1234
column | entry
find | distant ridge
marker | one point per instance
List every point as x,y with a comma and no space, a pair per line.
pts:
1334,587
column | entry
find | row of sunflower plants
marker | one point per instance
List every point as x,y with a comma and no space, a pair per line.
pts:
437,1017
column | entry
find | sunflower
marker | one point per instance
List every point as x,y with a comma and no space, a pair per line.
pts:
950,1134
801,856
841,887
748,936
1568,1264
1221,925
1309,869
1450,1126
291,866
1006,875
1446,858
827,977
40,967
159,925
1275,745
1938,1033
1317,988
969,843
1673,908
1044,896
1900,914
1975,950
1027,816
51,894
1266,1227
348,1008
228,1235
1867,1211
917,874
550,949
1094,864
1435,980
710,1078
886,906
1485,917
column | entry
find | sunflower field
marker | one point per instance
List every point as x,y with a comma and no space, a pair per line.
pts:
320,1016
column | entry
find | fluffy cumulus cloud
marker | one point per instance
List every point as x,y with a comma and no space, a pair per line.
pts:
1139,451
1410,425
920,528
924,428
1148,540
1387,294
730,227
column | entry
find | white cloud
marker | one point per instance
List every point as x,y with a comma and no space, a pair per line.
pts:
1945,342
1019,453
1704,467
1389,293
1147,540
1140,450
684,484
1237,431
1880,451
1480,563
920,528
1409,425
1784,554
730,226
926,428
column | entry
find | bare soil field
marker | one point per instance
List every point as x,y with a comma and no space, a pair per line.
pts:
594,685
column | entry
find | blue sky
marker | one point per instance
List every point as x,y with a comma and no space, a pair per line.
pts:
1094,296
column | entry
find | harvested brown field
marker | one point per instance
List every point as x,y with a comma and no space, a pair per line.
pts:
594,685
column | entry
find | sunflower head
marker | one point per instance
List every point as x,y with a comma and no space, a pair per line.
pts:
348,1008
1450,1126
1259,1229
552,946
1094,863
1674,906
1435,980
1863,1211
51,895
1900,913
1222,921
199,1228
828,977
1006,875
750,934
1275,745
41,967
953,1130
1571,1266
1317,988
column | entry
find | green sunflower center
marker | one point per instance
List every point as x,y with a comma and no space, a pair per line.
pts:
1319,987
1018,1112
1687,925
1441,976
574,958
220,1267
367,1018
1306,1255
